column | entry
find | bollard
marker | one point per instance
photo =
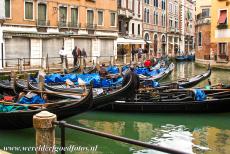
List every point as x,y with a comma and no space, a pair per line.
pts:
41,82
45,132
125,59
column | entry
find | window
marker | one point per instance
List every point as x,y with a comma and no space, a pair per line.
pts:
155,19
199,39
42,14
112,19
170,23
7,8
62,15
176,9
163,20
176,24
155,3
145,13
205,13
147,16
139,29
132,28
74,16
222,48
163,4
100,18
170,7
90,18
223,17
29,10
146,1
139,7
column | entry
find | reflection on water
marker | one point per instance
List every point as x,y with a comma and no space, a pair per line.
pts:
192,133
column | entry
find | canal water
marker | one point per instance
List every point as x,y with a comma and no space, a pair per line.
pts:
191,133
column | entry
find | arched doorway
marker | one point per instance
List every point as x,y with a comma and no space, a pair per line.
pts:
155,44
147,39
163,45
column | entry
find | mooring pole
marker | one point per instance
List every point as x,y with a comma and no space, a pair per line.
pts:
45,132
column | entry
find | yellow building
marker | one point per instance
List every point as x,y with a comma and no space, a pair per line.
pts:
34,28
220,29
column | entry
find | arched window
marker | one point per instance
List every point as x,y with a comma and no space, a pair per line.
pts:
155,44
146,36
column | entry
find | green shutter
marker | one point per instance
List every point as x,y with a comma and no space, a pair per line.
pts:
112,19
62,14
42,12
90,17
7,8
29,10
74,15
100,18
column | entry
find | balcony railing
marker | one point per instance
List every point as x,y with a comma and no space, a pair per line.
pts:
62,24
74,25
43,23
91,26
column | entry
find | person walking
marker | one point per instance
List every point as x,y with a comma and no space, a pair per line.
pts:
79,54
133,53
84,55
62,54
75,58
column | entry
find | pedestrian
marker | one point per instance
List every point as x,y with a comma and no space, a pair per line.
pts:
84,55
79,54
136,83
139,54
62,54
133,53
75,58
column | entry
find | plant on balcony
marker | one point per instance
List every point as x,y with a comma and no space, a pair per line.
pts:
222,26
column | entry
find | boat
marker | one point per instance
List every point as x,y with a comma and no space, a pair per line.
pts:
101,99
191,57
19,119
181,58
114,93
190,82
170,103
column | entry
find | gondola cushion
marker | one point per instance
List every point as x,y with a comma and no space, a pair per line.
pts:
200,95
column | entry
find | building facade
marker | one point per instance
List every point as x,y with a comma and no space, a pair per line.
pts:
203,30
187,27
129,25
154,26
173,30
220,30
40,28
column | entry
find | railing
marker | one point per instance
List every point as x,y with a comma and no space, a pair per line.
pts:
42,23
63,125
62,24
91,26
223,57
74,25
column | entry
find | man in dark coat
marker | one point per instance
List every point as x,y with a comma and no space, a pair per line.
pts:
136,83
74,53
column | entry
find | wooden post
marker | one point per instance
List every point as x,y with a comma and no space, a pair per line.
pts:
45,132
125,59
27,78
13,80
41,82
21,66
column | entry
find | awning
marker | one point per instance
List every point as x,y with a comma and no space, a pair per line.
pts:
223,17
130,41
150,42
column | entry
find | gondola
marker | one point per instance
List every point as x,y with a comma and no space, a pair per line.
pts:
98,100
181,58
168,103
191,82
62,108
160,75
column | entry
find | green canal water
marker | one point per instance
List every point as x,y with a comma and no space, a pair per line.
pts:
192,133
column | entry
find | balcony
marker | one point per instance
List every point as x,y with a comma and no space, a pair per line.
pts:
125,13
62,24
91,26
74,25
43,23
